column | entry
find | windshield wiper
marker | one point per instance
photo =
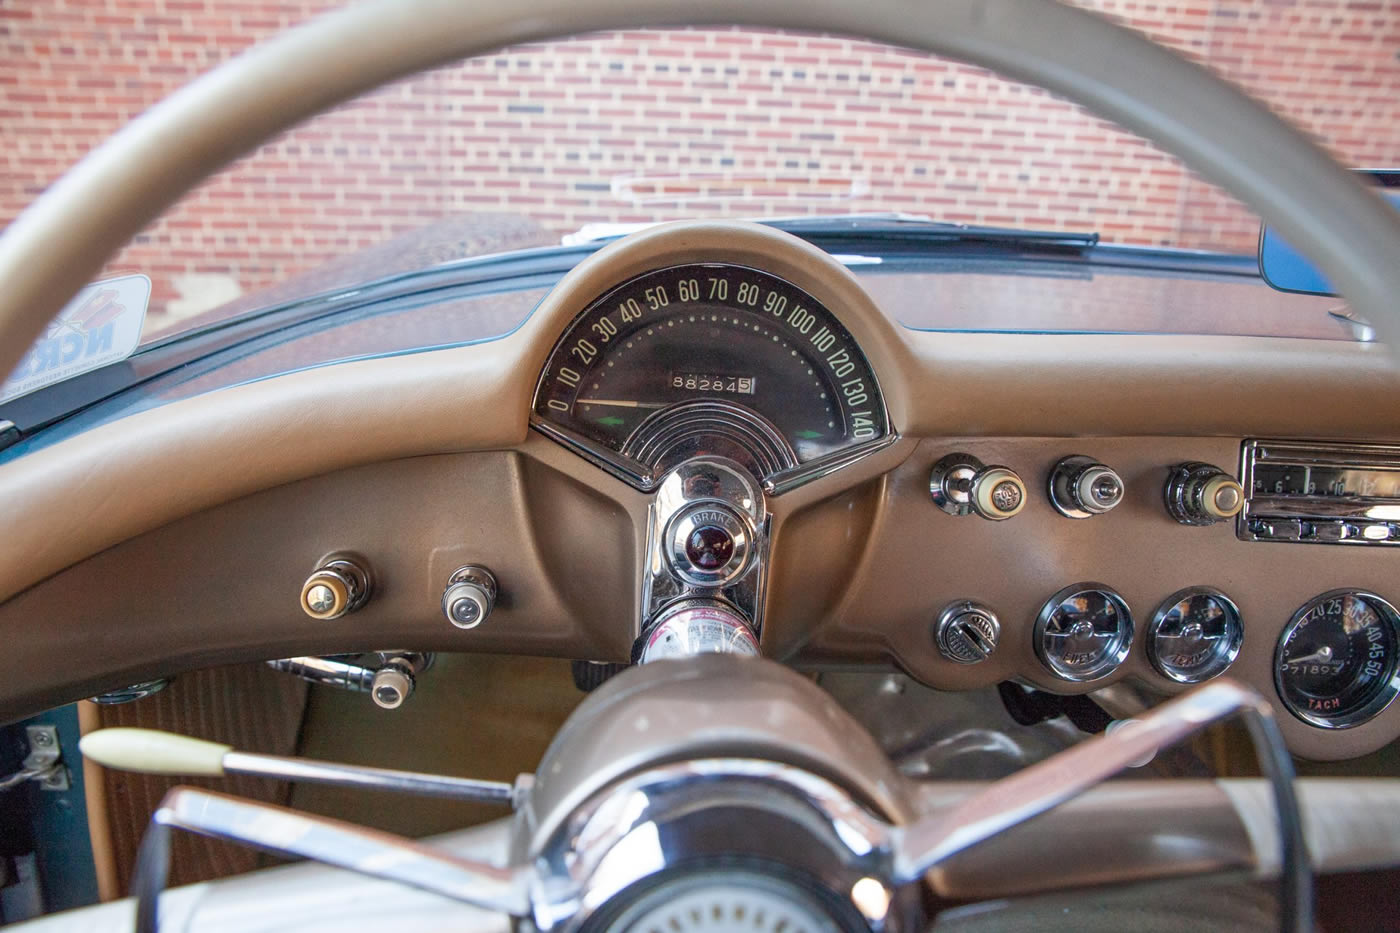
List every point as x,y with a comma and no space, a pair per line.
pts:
917,228
892,227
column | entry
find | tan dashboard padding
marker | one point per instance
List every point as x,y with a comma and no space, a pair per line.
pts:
73,499
62,240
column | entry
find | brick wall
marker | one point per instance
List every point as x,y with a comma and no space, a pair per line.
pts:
654,125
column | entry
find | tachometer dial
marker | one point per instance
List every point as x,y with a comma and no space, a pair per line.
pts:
710,358
1084,632
1336,662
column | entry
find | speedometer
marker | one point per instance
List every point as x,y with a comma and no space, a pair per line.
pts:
710,358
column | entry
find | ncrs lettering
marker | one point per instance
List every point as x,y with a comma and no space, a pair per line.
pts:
83,333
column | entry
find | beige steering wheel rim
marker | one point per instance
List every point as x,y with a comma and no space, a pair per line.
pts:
62,240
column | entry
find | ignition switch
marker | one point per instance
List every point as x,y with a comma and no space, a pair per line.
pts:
1081,487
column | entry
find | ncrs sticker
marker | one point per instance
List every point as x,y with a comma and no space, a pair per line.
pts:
101,325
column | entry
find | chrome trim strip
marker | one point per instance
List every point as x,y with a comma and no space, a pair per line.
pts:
779,483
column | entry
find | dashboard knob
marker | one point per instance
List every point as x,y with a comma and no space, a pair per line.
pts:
470,596
1202,494
392,685
960,484
1081,487
334,589
966,632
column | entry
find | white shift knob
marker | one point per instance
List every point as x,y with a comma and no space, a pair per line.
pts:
147,751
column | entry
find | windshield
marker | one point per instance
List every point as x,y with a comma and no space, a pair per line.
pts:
528,146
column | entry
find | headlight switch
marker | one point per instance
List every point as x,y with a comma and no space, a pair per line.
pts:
960,484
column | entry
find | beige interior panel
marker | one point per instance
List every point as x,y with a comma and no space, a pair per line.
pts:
70,500
247,706
859,574
358,457
918,560
223,585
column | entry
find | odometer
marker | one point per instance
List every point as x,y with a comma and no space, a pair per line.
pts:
1336,663
709,358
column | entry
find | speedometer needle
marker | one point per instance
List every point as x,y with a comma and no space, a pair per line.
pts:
620,403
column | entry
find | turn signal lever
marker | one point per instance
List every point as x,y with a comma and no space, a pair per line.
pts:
148,751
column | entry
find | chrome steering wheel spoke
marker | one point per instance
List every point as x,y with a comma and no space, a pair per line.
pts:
924,845
331,842
619,809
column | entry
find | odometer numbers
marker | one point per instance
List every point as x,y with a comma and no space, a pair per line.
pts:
1336,661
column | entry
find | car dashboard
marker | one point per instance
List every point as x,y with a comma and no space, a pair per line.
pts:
706,423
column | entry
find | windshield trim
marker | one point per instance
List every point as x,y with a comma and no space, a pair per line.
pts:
42,408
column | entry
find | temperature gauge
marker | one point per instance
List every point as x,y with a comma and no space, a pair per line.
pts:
1084,632
1195,634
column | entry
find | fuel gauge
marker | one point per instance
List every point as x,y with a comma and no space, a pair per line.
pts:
1084,632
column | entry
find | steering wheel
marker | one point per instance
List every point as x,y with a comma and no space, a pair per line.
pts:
618,829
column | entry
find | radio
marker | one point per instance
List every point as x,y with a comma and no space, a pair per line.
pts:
1320,493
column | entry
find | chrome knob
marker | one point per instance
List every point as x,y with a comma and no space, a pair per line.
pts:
334,589
966,632
1202,494
392,685
960,484
470,596
1081,487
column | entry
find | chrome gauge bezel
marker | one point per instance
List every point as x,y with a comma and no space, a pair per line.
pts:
1112,659
1389,689
715,426
1224,657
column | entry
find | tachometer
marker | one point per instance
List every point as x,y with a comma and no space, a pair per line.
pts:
710,358
1336,663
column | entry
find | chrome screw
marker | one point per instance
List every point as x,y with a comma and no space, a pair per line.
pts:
320,598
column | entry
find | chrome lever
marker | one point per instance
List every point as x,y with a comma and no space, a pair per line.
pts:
332,842
388,685
924,844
